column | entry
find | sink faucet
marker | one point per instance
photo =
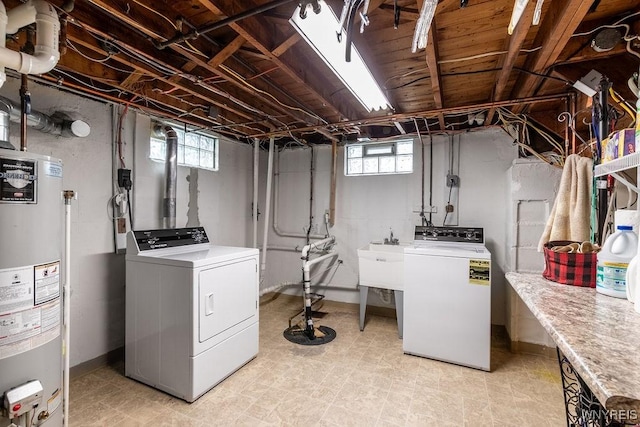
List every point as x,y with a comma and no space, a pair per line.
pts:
390,240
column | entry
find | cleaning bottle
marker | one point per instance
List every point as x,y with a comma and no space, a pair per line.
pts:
613,260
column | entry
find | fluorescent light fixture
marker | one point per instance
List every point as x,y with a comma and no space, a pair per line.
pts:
518,9
319,31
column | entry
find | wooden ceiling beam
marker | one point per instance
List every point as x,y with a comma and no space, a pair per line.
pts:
432,58
422,114
513,45
196,91
287,44
141,46
256,98
559,22
257,35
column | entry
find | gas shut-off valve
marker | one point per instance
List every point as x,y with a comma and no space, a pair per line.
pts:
22,399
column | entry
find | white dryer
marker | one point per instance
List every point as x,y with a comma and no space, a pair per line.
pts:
191,310
447,290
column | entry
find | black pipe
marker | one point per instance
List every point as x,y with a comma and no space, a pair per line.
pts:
222,23
601,182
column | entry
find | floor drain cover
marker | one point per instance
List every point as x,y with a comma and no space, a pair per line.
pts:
324,335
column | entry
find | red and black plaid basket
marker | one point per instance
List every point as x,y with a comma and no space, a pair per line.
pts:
574,269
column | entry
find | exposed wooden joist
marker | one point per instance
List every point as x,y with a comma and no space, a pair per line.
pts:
505,63
134,21
425,114
258,37
432,58
559,22
287,44
226,52
196,91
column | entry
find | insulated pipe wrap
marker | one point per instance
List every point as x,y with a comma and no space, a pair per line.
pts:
171,178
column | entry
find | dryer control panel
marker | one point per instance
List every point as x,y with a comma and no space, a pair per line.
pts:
448,234
170,238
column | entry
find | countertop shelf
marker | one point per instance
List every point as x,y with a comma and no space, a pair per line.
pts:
599,335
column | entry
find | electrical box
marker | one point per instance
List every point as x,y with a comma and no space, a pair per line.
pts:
22,399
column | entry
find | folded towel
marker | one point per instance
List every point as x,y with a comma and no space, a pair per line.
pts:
570,217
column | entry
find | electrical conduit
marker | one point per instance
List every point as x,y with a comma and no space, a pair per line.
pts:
256,158
275,208
267,209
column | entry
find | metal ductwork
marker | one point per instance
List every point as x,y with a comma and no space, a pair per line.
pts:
9,111
45,55
171,178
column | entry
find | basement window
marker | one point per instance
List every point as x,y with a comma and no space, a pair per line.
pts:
378,158
196,150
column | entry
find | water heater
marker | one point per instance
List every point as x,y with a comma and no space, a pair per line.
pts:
31,212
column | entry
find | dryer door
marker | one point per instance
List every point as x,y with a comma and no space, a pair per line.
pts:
227,297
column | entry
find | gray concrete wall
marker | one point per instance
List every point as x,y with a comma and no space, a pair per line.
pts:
223,199
369,206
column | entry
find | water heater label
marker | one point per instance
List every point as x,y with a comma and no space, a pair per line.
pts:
16,289
30,312
47,282
18,180
53,169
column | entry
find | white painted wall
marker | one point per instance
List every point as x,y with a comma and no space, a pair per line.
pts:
97,273
369,206
533,188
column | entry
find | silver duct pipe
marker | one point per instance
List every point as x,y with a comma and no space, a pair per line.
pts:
171,178
42,122
4,127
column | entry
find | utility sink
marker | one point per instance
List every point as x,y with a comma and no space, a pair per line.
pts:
382,266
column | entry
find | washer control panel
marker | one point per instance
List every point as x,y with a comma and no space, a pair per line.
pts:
170,238
449,234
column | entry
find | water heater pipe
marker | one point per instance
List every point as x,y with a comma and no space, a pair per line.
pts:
171,178
267,209
68,195
42,122
46,54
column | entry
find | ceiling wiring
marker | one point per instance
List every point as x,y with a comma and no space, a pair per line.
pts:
484,55
241,79
98,60
91,84
192,48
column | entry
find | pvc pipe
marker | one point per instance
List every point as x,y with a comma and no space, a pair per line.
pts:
315,245
171,178
46,54
275,208
256,162
284,248
306,268
267,209
3,39
68,195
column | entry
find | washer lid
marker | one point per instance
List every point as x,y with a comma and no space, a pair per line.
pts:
460,250
192,256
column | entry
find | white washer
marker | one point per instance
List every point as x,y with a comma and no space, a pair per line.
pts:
447,304
191,310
